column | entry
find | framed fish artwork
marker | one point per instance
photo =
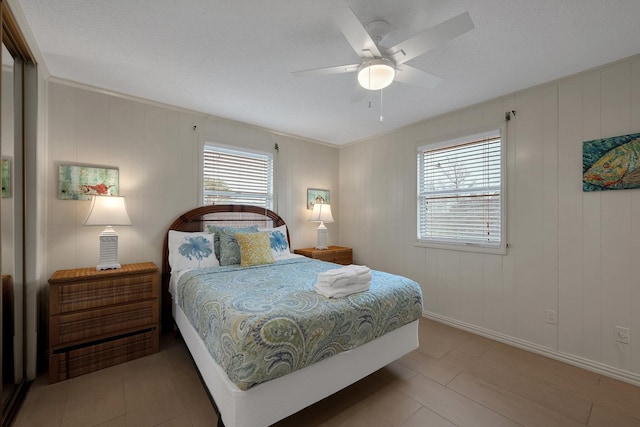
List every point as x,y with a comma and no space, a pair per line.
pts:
81,182
611,163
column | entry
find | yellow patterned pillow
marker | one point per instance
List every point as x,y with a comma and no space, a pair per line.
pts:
255,249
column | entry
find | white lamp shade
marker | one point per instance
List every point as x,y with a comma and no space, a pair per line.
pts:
376,74
108,210
321,213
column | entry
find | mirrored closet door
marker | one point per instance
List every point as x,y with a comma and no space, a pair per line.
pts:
11,374
15,56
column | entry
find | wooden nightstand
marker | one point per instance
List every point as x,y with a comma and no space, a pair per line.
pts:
101,318
338,254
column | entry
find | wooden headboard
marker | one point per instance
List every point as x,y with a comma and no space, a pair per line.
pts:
197,220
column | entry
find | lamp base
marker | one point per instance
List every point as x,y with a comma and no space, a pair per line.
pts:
108,266
321,239
108,250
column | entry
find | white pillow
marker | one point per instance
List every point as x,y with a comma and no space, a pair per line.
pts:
278,241
191,250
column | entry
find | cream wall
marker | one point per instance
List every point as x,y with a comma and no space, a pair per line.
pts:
157,152
569,251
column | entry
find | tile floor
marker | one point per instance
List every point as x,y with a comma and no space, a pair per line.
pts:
454,379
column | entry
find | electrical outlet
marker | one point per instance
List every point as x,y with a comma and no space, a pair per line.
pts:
623,335
551,317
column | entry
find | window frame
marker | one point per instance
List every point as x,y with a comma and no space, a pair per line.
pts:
270,198
451,141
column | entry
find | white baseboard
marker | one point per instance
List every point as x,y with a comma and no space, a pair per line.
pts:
590,365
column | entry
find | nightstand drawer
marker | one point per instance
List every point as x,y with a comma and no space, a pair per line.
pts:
76,362
98,323
337,254
339,257
72,290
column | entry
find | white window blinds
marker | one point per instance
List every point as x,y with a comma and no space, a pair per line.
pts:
460,191
233,176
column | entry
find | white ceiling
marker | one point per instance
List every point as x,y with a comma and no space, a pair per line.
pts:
234,58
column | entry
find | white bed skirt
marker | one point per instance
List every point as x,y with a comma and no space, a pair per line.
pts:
271,401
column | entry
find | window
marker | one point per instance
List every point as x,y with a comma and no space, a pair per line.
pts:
460,193
234,176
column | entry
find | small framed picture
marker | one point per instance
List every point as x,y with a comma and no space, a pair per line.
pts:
317,195
6,178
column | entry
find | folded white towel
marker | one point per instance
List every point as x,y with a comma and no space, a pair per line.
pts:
363,272
346,280
348,275
362,278
340,282
360,269
332,273
339,277
332,292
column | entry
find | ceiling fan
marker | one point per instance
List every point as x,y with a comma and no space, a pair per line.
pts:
380,66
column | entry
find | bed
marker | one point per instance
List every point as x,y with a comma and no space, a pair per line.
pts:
259,391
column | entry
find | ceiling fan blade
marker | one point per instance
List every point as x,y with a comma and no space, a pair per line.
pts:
430,39
338,69
413,76
355,33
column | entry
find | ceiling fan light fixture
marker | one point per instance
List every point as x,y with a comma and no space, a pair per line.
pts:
376,74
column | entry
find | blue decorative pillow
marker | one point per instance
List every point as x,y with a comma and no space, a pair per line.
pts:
217,230
191,250
278,241
229,248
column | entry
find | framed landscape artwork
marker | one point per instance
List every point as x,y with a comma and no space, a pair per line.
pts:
82,182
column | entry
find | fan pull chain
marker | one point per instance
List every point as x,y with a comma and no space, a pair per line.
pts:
381,117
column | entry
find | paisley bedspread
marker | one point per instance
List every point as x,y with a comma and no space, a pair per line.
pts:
263,322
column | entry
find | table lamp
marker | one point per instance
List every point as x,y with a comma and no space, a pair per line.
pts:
321,213
108,211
